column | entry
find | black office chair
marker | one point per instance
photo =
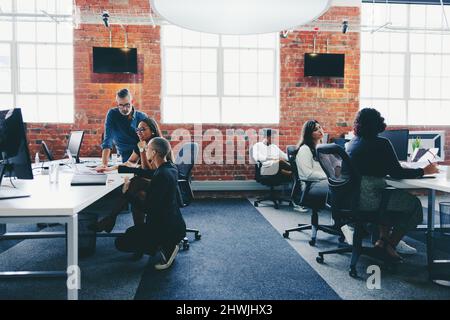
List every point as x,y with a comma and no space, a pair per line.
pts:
185,160
298,195
272,182
344,182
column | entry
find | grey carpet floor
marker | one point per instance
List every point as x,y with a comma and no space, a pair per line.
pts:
240,256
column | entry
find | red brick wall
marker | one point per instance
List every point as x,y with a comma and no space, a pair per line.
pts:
331,102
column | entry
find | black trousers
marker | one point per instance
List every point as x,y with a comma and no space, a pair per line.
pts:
138,239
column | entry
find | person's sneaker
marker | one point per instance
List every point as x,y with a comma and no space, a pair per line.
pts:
348,233
404,248
167,262
300,208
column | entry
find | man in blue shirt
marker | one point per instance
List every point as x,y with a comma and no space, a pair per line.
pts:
120,127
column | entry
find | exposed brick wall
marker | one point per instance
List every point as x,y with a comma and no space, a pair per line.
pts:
331,102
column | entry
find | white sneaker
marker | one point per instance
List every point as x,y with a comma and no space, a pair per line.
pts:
167,262
348,233
300,208
404,248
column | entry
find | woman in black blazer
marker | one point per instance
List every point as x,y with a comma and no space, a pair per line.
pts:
164,227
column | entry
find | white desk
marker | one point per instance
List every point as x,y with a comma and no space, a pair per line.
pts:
440,183
54,203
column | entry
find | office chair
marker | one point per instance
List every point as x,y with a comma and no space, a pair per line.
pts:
344,182
297,196
185,160
272,182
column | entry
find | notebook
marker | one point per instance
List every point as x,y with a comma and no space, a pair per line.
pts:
89,180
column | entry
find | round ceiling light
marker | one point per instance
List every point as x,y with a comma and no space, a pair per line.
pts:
239,16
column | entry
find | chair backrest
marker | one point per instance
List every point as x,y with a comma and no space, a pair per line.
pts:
186,158
343,178
291,151
297,191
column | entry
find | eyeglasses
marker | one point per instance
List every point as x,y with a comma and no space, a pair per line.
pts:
140,130
125,105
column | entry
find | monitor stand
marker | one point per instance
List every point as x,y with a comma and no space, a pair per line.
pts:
9,192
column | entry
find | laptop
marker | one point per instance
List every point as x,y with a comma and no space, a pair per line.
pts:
421,158
73,147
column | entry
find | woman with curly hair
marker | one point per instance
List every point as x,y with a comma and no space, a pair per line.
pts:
147,129
375,158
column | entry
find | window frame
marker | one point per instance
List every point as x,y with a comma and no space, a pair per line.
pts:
407,96
220,83
15,43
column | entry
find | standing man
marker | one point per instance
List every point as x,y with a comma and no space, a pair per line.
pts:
120,127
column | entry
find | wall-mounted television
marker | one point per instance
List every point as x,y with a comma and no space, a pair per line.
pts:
114,60
324,65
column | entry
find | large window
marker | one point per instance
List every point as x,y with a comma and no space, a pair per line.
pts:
36,59
405,63
209,78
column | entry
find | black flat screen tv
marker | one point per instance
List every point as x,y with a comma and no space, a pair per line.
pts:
114,60
324,65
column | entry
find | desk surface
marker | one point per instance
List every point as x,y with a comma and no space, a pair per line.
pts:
440,183
55,199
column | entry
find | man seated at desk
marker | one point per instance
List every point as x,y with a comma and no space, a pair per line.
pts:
273,160
164,227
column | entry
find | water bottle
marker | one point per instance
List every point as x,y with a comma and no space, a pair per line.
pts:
36,159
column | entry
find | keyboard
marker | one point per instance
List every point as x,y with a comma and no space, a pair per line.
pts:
11,193
89,180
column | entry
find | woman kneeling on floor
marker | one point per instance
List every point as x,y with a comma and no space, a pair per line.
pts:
164,226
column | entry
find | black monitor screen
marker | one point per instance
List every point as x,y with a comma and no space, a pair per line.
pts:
114,60
399,140
324,65
74,145
13,144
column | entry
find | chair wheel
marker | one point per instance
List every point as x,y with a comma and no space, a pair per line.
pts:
198,236
319,259
352,272
312,242
186,246
286,235
255,204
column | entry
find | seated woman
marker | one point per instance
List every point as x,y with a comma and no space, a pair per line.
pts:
146,130
309,168
375,158
164,226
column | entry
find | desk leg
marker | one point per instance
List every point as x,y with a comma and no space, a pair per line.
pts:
430,229
73,271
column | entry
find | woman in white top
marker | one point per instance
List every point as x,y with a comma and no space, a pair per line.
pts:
309,168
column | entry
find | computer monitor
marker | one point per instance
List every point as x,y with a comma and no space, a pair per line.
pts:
74,145
399,140
15,157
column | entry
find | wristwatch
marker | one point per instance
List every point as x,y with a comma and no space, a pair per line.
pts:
142,149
